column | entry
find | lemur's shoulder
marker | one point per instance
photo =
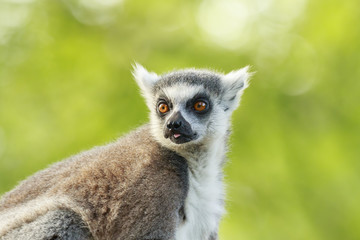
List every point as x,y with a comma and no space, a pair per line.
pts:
131,184
114,182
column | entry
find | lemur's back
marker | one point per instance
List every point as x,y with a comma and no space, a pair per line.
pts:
113,189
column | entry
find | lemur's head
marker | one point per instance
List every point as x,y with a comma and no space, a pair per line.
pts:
190,106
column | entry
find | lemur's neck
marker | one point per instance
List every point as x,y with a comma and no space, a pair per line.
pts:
209,156
204,204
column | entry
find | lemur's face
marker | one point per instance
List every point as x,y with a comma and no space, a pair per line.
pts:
190,106
185,113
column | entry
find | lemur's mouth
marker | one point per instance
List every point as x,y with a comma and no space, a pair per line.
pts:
179,138
177,135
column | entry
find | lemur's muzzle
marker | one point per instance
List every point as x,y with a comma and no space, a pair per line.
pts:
178,129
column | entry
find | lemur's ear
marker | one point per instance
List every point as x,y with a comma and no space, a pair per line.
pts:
234,84
144,79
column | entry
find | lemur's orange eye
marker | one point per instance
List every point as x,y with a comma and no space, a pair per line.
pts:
163,108
200,106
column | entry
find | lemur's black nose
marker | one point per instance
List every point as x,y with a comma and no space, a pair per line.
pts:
174,125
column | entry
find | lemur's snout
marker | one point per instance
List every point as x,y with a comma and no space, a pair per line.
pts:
178,129
177,122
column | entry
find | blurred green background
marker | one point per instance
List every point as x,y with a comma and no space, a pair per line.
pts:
65,86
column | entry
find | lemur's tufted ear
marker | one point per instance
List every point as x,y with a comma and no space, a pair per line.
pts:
234,84
144,79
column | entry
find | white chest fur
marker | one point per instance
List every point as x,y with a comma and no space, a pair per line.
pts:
204,204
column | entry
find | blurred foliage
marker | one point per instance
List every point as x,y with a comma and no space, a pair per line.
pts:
65,86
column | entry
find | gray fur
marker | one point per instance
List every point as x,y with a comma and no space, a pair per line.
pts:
120,191
209,80
53,225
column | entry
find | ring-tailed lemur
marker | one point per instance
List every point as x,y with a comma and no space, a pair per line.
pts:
161,181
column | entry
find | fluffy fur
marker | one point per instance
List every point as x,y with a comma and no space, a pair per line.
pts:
157,182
